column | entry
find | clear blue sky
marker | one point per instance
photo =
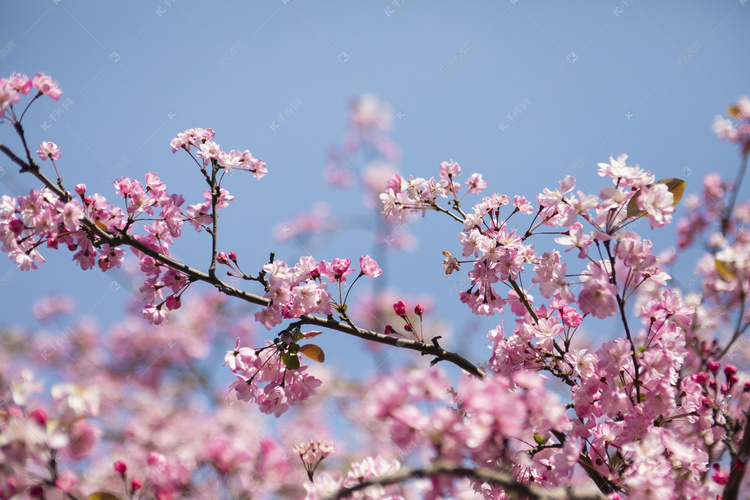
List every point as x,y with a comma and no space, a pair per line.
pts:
524,92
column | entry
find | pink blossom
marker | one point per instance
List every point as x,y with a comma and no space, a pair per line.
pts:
657,202
369,267
66,481
476,183
599,296
18,82
449,169
49,150
45,85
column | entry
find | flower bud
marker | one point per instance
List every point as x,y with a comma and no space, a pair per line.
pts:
400,308
120,467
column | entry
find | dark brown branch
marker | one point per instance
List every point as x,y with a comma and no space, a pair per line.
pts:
125,239
739,465
499,478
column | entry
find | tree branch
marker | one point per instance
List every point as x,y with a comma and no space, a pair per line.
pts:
502,479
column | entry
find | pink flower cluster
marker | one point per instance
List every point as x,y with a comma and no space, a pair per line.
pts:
739,132
402,196
207,149
299,290
19,83
283,385
328,484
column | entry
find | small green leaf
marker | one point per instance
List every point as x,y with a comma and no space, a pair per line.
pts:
313,352
674,186
102,495
291,361
540,440
633,209
724,270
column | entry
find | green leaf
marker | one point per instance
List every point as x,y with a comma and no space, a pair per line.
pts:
291,361
674,186
540,440
102,495
724,270
313,352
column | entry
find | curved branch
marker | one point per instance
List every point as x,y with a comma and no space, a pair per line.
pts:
496,477
125,239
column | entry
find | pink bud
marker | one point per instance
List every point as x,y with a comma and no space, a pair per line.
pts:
39,416
80,189
233,257
173,302
700,377
120,467
135,484
407,327
714,366
66,481
732,380
400,308
419,310
730,370
389,330
222,258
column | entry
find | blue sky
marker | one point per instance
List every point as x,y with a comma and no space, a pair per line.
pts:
523,92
